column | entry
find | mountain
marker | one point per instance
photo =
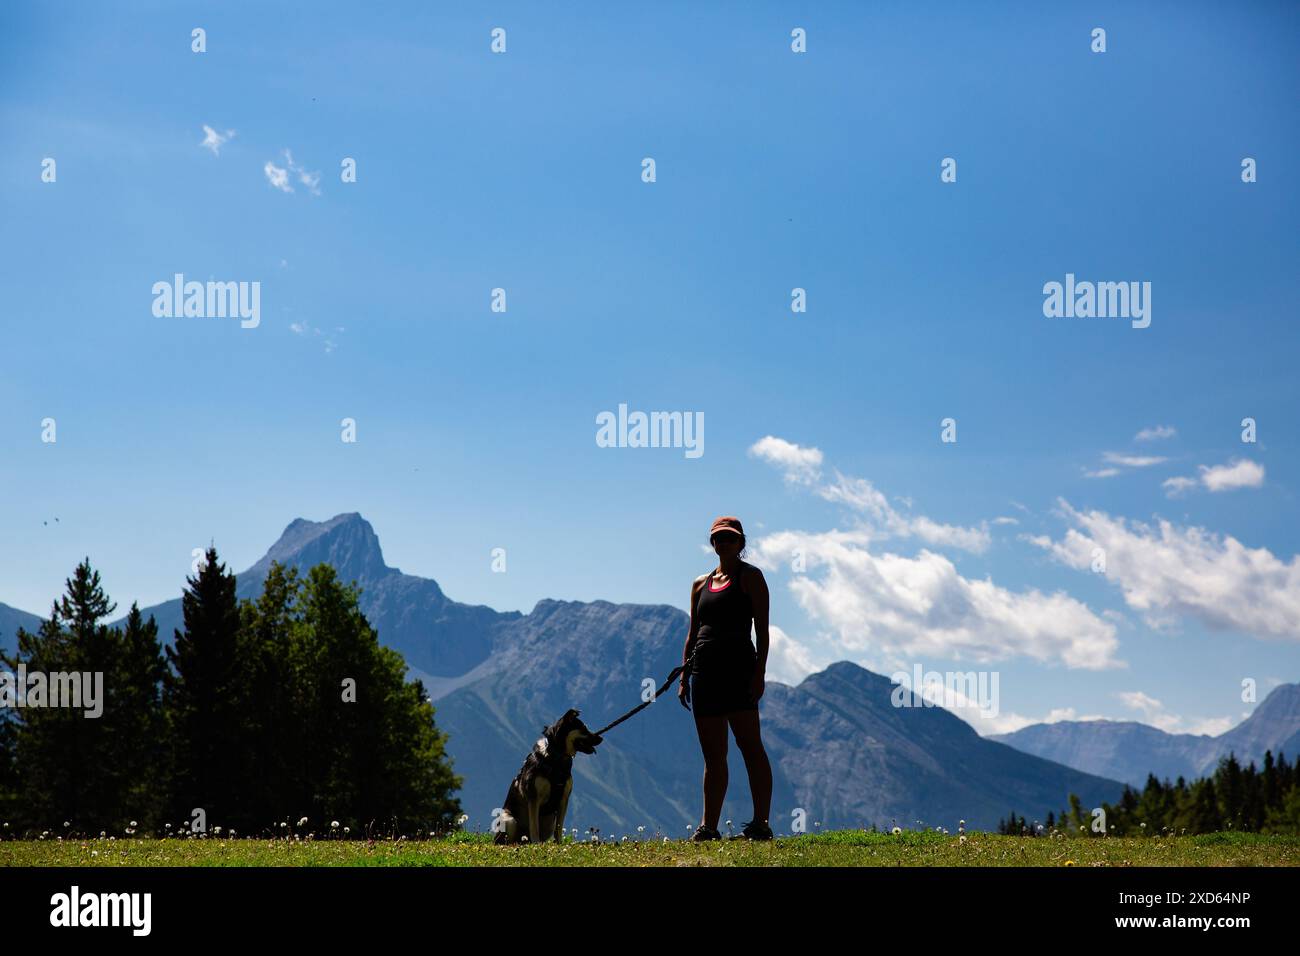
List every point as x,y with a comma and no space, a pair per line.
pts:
840,750
11,619
437,636
1128,751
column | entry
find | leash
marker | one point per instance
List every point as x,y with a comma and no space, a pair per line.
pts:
644,704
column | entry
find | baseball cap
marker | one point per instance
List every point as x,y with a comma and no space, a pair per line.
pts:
726,523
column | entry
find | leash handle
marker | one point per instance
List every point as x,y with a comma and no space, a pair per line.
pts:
644,704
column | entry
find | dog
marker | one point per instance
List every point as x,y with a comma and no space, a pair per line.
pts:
538,797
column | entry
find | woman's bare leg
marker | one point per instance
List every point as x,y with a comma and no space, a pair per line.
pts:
712,732
744,724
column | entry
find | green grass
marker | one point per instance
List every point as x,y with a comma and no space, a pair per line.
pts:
836,848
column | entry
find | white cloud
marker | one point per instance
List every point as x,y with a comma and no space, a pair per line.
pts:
1236,474
909,608
1166,572
1176,486
1005,723
975,540
213,140
1239,473
1003,519
277,177
306,328
1117,461
788,661
1133,461
802,466
1154,716
884,521
310,180
1156,433
799,465
1136,700
1154,713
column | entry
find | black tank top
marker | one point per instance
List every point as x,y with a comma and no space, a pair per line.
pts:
725,616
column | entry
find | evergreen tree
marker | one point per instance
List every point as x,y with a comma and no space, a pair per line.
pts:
375,756
136,719
1231,792
268,665
202,699
1206,815
8,773
92,766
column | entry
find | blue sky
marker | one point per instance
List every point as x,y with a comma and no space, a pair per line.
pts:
775,170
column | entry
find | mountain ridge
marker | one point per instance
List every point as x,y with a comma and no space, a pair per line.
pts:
1130,750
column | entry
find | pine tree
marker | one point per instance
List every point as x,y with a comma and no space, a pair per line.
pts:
1206,815
376,755
136,719
271,771
8,772
89,766
203,699
1230,792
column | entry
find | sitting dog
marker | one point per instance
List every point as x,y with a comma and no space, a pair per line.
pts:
535,805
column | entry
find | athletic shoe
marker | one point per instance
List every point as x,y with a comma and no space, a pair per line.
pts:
703,833
756,830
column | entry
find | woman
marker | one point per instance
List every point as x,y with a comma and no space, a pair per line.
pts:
725,676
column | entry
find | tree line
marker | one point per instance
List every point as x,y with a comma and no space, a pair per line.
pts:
1232,798
259,712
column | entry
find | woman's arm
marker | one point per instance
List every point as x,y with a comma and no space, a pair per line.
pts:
695,625
684,687
758,596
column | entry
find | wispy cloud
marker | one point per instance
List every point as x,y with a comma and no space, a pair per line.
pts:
310,180
1133,461
213,140
1007,722
277,176
874,510
1156,433
798,465
1116,461
803,466
280,176
307,330
1239,473
1154,713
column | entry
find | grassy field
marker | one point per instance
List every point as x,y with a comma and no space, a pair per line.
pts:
838,848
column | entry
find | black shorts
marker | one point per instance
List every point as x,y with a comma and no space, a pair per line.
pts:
720,684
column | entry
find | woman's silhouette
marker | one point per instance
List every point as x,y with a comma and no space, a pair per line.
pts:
724,676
